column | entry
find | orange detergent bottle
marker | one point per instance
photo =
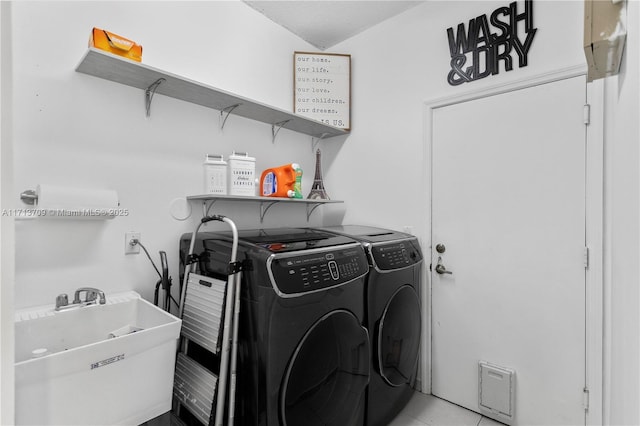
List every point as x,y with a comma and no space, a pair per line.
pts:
283,181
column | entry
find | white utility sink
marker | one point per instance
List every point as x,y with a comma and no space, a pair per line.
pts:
71,370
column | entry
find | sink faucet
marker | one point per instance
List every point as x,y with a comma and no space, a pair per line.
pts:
93,296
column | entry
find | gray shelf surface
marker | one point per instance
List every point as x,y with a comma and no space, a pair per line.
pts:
206,197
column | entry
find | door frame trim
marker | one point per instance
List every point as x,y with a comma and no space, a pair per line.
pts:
594,226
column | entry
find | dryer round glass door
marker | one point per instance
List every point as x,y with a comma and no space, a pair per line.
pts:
399,337
327,375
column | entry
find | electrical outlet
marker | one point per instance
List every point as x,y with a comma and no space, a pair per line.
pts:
128,247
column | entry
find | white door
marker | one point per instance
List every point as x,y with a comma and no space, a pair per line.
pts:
508,204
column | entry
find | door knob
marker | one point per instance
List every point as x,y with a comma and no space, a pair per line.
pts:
440,268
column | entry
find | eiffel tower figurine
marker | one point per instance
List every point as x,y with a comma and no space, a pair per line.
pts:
317,189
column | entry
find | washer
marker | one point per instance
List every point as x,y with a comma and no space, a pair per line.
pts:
303,350
393,316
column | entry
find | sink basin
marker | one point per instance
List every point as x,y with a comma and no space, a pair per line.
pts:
97,364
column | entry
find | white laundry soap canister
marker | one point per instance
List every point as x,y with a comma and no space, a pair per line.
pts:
242,174
215,175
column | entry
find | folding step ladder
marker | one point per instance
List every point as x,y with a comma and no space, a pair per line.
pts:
209,309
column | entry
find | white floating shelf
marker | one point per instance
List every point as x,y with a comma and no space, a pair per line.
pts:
208,197
265,202
135,74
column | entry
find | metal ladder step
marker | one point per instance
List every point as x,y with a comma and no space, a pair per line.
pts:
195,387
203,309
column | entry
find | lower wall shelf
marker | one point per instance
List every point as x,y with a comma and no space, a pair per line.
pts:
265,202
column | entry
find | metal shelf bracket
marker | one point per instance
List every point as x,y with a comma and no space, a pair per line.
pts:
263,208
316,141
148,94
311,208
228,110
279,126
206,209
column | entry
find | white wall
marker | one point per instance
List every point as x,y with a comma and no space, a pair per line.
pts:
76,130
397,67
73,129
7,252
403,63
622,236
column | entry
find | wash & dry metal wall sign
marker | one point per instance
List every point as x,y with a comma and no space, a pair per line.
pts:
479,49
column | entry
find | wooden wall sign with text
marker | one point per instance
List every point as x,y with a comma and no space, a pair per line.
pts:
478,50
322,87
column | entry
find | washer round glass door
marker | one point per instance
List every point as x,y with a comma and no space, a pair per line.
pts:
328,373
399,337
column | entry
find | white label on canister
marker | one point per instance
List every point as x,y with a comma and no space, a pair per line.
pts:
215,179
242,177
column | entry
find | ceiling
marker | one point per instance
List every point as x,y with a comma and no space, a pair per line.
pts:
324,23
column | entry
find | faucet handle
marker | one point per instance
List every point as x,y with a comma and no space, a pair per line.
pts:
62,300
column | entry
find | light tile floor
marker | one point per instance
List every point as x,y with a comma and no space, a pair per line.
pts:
431,411
422,410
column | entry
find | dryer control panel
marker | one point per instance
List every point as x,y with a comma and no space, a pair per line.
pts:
315,270
396,255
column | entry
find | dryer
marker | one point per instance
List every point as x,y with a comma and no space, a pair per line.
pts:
392,316
303,350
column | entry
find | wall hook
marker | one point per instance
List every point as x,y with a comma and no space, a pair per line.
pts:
148,94
29,197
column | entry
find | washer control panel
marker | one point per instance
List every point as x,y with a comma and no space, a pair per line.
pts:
297,273
396,255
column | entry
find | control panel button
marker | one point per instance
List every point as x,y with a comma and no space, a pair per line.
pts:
396,255
333,268
301,273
